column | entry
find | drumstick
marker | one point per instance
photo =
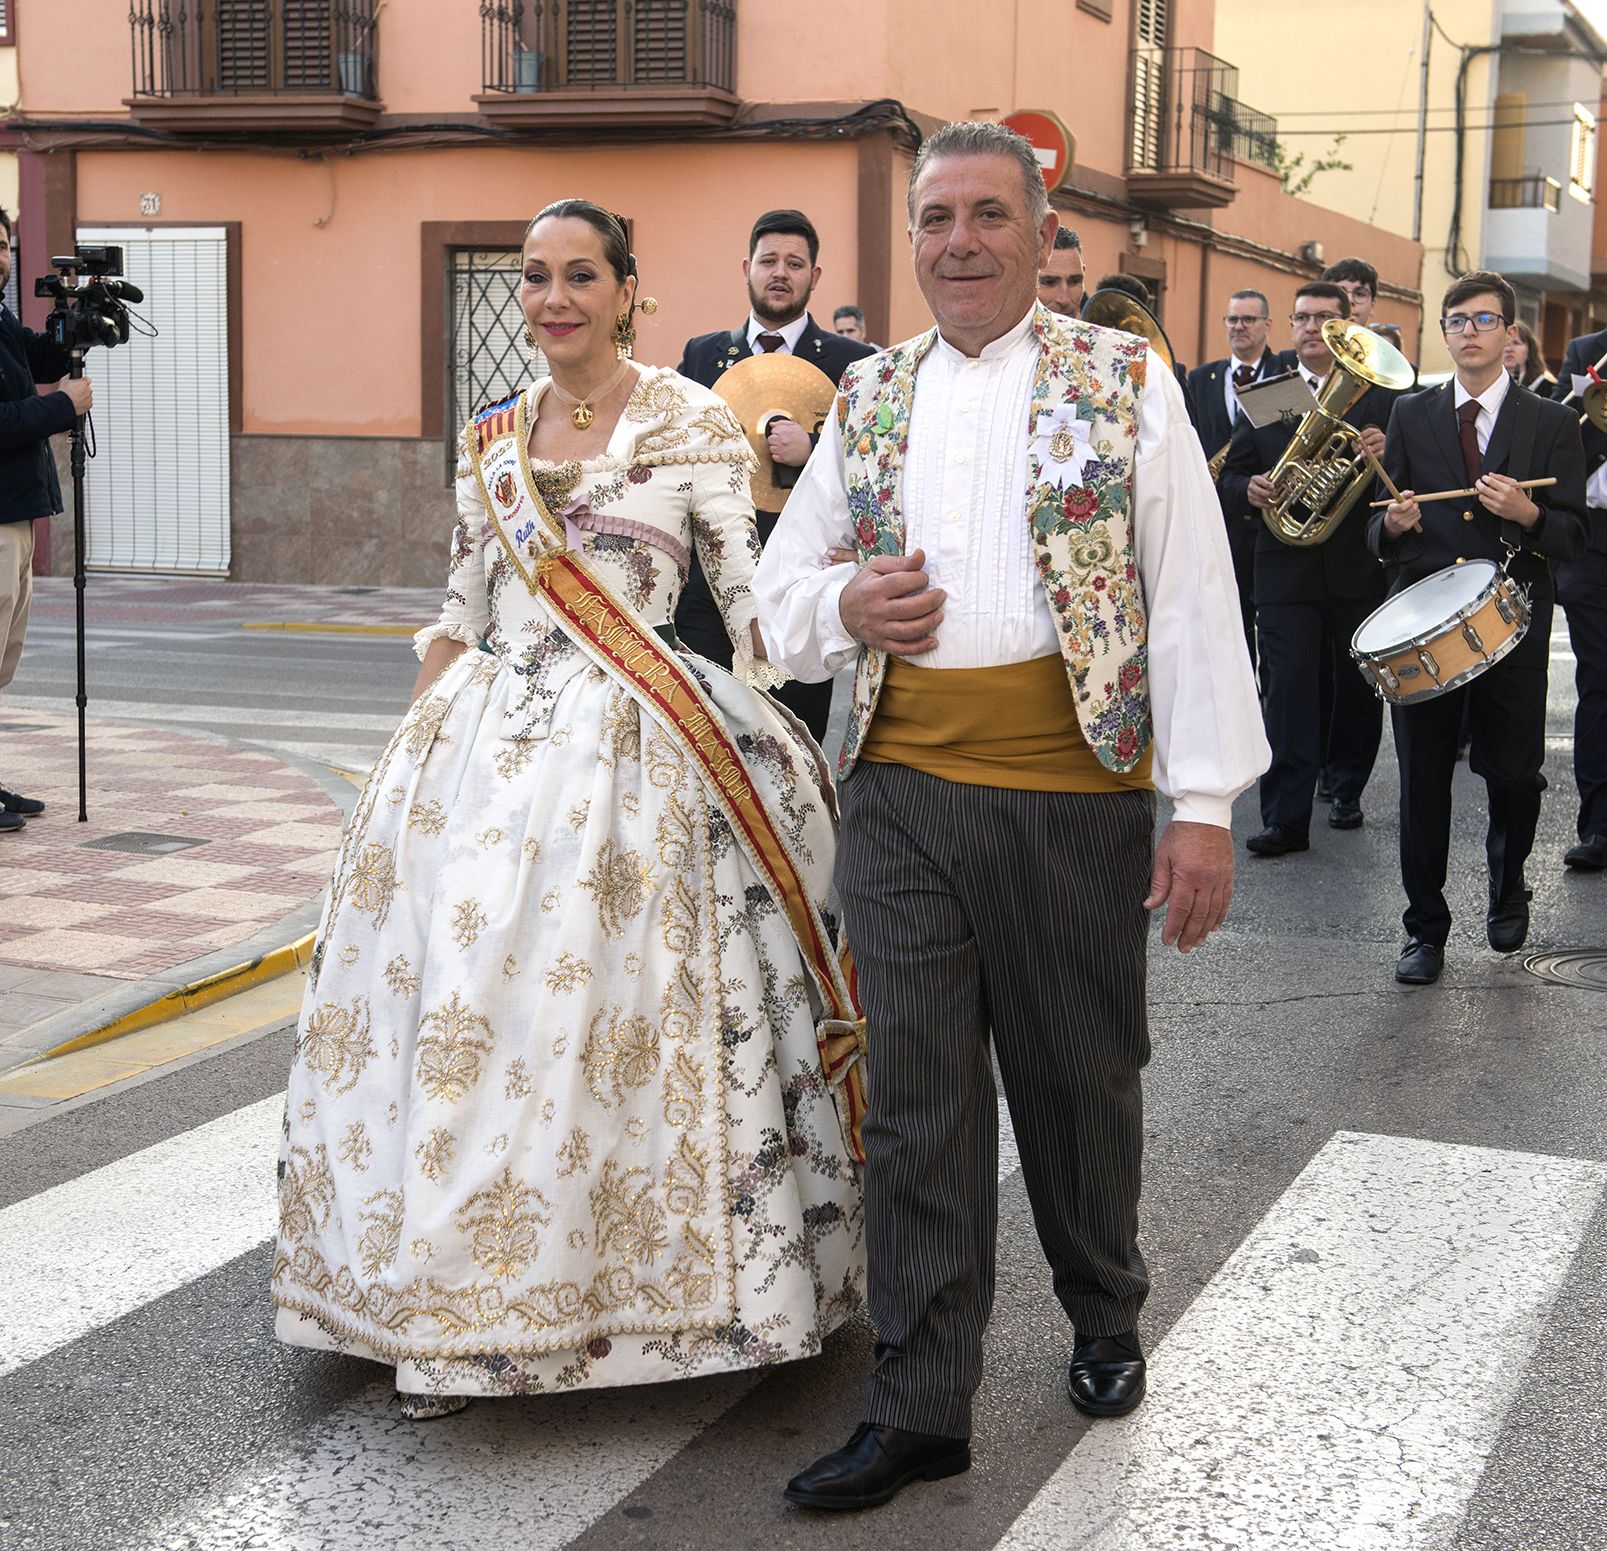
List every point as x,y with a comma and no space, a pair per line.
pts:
1453,495
1389,484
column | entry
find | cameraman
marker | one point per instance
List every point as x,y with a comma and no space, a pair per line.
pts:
28,484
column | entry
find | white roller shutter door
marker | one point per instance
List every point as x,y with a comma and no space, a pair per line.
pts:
157,490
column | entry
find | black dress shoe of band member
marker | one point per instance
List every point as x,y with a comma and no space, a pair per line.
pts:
1507,924
875,1465
11,821
1590,855
1344,815
1277,840
28,807
1420,963
1106,1375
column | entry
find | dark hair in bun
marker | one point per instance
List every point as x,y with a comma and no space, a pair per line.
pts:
607,225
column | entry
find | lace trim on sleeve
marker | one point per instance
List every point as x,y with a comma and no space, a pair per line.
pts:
457,630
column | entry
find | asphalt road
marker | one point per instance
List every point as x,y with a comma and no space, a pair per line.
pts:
1473,1342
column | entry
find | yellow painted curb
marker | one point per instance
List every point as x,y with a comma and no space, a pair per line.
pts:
319,627
191,998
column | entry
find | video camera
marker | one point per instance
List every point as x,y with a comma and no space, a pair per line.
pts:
91,313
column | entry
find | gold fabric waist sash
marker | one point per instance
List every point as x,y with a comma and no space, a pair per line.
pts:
1014,726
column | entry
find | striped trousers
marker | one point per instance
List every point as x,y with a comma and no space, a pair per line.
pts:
977,911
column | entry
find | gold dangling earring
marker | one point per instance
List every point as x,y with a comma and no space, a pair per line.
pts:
530,341
624,335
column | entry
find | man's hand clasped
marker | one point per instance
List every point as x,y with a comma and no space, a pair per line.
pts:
788,443
890,605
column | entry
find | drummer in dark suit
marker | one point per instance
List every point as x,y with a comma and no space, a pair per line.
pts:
1306,598
782,272
1214,398
1582,592
1482,430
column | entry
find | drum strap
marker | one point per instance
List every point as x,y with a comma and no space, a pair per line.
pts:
1518,467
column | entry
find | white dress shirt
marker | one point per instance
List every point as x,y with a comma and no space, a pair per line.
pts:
1490,402
790,334
965,488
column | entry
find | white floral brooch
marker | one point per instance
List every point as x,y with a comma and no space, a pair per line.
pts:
1064,446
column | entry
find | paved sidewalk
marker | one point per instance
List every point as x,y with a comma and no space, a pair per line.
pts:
154,600
198,855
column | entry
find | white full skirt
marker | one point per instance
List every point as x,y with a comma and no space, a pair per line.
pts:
556,1115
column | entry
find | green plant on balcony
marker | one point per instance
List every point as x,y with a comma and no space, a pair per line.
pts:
1297,176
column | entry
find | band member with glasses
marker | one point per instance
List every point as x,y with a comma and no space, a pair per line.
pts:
1582,591
1213,393
1485,431
1307,598
1359,281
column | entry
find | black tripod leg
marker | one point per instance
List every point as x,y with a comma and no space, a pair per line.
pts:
78,591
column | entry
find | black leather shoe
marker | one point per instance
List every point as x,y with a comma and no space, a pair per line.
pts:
1507,924
875,1465
28,807
1325,791
1344,815
11,821
1590,855
1420,963
1277,840
1106,1375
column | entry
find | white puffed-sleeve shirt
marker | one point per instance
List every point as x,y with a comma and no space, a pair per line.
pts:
965,495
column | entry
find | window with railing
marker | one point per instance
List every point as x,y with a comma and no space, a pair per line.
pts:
1187,115
1532,191
530,46
189,48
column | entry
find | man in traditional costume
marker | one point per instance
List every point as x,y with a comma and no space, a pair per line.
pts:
1042,588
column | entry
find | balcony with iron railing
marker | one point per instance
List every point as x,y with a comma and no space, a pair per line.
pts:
599,62
1188,129
250,66
1533,191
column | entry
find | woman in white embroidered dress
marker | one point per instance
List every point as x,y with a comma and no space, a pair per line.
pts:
556,1116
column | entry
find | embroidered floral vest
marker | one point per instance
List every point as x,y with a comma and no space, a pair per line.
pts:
1085,398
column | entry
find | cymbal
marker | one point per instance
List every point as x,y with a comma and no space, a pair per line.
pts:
763,388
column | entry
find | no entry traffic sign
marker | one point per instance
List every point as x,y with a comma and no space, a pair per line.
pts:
1055,144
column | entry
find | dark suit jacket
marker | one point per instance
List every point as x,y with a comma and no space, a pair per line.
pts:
1209,413
1582,352
1341,566
28,484
1532,438
706,357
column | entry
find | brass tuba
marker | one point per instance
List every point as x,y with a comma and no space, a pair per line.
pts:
1323,471
1113,309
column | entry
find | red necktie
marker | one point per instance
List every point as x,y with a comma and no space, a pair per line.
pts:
1468,435
1243,376
769,342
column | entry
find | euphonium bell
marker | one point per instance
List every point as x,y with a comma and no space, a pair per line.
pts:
1323,471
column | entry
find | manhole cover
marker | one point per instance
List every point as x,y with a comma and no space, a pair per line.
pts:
1583,968
24,726
143,843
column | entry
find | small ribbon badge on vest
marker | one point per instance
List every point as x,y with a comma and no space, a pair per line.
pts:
1064,445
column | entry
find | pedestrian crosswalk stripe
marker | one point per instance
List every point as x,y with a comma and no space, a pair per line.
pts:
89,1251
1340,1382
534,1472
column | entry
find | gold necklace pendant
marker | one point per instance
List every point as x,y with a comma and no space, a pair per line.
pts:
582,416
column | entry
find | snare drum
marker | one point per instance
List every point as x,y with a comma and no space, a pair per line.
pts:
1441,632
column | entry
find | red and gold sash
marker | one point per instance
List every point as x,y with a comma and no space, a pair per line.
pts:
634,655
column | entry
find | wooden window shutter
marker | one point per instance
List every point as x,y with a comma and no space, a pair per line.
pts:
1506,146
591,42
308,42
245,44
660,42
